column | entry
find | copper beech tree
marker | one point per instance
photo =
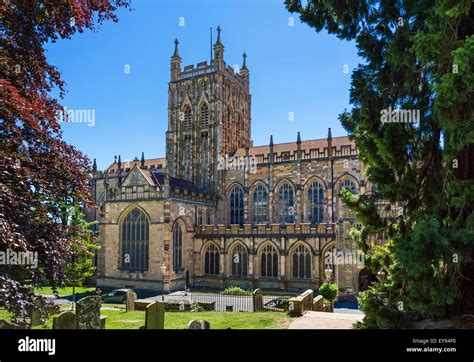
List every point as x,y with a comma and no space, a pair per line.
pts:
40,174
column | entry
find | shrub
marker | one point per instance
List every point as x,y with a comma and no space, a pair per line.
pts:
236,291
195,307
328,291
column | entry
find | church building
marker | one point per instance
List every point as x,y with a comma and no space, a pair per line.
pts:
218,211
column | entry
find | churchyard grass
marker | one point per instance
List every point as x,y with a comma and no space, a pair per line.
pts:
119,319
63,292
218,320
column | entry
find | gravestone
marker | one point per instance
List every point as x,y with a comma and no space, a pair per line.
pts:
36,312
194,324
130,301
88,313
65,320
257,299
155,316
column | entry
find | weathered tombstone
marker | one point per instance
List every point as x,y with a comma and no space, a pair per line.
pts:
155,316
88,313
36,312
65,320
130,301
257,299
194,324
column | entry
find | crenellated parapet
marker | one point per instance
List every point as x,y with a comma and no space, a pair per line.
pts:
303,229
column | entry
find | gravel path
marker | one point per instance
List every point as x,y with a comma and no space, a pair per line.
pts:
323,320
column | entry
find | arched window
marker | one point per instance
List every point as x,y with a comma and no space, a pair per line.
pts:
286,204
188,123
348,183
177,248
204,116
239,261
269,262
260,204
316,203
211,260
134,244
301,260
237,206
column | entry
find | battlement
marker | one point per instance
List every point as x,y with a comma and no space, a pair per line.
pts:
263,229
310,150
201,68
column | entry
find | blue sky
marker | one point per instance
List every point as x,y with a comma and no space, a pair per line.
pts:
292,69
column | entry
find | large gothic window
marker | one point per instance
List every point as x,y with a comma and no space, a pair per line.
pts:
286,204
177,248
187,119
316,203
301,260
349,184
239,260
204,116
237,206
269,262
134,243
211,260
260,204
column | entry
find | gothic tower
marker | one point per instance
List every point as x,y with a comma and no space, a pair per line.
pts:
208,116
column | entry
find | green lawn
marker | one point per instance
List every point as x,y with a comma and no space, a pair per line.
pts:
218,320
63,292
119,319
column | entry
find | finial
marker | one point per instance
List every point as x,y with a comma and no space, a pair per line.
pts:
298,138
218,41
94,166
142,161
271,140
329,134
115,159
244,65
119,162
176,42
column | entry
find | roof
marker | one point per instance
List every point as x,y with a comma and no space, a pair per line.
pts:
159,179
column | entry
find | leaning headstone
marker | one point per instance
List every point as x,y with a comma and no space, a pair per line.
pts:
66,320
130,301
198,325
257,299
155,316
88,313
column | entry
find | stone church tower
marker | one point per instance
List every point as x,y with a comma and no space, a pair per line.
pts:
208,117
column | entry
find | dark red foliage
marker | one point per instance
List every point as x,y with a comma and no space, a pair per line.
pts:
39,172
